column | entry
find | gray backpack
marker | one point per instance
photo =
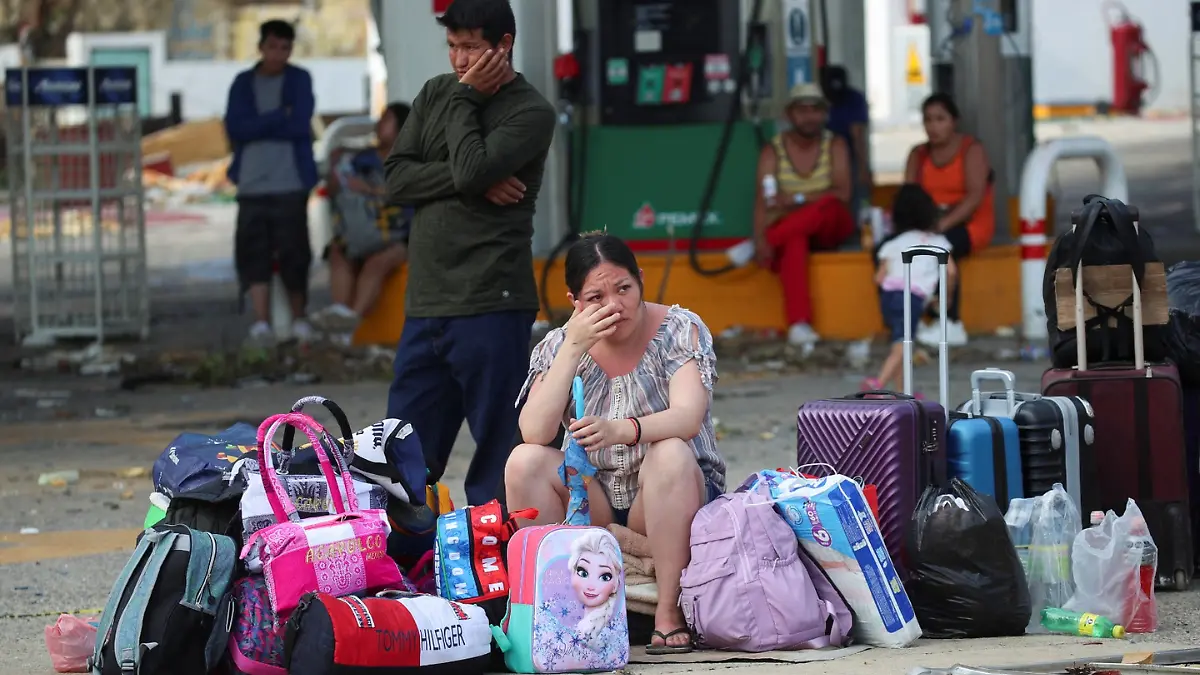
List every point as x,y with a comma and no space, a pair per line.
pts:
171,609
360,229
365,223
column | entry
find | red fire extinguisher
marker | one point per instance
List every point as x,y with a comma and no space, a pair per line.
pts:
1131,55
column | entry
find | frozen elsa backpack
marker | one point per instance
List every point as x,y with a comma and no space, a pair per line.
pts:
566,609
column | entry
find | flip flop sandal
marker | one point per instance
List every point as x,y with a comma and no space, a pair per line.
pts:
665,649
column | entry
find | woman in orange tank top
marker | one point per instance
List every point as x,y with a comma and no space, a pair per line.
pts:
953,168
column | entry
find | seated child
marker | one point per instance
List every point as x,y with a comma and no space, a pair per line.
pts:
914,221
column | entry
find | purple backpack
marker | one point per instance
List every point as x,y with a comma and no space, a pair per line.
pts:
750,588
256,643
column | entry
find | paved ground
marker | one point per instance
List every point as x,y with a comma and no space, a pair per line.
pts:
96,518
55,422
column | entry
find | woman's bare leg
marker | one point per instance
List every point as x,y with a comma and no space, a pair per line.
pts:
531,481
341,276
374,272
670,492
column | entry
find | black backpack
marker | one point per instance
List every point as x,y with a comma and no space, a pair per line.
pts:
170,610
1104,233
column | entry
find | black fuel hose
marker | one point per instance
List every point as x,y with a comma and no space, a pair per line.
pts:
753,41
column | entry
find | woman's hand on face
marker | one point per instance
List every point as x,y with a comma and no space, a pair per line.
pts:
595,433
591,324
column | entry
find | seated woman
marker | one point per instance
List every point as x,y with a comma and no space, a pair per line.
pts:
953,168
648,373
371,238
809,169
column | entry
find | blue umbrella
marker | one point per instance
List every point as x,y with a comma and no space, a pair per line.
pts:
577,470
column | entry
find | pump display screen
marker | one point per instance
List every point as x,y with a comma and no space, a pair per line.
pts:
666,61
674,29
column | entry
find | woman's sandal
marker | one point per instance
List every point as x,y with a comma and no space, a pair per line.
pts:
665,648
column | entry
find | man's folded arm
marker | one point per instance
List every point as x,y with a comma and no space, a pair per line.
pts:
478,162
411,181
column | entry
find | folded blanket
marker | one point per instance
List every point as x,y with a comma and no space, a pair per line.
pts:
631,542
632,579
638,566
638,607
641,590
645,593
635,550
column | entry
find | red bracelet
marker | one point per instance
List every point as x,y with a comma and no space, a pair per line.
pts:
637,430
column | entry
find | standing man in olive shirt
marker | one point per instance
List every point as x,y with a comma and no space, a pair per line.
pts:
470,160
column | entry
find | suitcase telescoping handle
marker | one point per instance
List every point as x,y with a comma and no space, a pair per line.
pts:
1082,223
989,375
943,260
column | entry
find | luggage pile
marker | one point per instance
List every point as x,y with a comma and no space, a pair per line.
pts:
1105,433
264,559
286,560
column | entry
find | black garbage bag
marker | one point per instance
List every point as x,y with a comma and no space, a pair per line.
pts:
1183,329
965,578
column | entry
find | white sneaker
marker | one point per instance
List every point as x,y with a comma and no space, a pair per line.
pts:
338,309
802,334
303,331
930,334
261,333
956,334
336,319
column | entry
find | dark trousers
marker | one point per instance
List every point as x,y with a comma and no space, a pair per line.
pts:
466,367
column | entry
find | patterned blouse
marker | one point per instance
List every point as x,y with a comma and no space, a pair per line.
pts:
642,392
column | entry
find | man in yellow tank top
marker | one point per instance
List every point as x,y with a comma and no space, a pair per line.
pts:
804,188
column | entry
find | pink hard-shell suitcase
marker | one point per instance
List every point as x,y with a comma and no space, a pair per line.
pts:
887,439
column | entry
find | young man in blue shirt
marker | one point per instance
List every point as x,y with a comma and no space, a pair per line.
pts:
269,123
850,118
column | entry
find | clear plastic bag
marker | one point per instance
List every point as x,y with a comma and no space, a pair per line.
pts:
1107,561
70,642
1044,529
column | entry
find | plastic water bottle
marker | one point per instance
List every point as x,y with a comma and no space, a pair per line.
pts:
1019,520
1096,518
1141,609
770,189
741,253
1082,624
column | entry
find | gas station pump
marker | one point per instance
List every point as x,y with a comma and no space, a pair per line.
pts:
662,78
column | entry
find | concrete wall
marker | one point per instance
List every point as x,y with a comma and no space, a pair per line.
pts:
1072,54
340,84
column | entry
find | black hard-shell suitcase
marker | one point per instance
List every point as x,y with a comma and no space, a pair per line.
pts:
1056,434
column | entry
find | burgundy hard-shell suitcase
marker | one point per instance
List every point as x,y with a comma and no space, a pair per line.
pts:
887,439
1139,450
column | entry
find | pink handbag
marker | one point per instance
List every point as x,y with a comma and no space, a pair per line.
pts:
339,554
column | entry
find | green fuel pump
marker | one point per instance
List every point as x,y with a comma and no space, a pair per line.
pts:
666,79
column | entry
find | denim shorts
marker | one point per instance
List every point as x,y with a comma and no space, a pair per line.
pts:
891,305
711,492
